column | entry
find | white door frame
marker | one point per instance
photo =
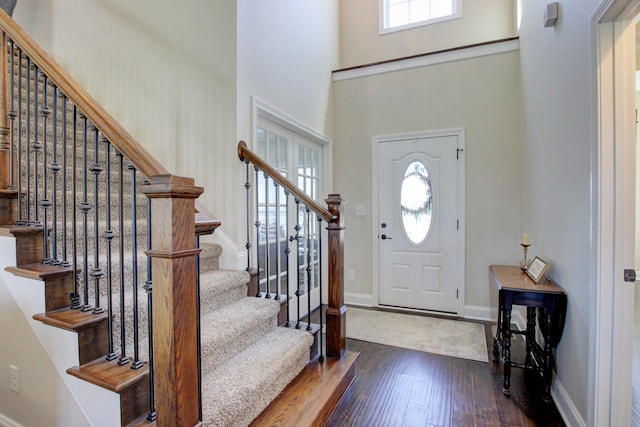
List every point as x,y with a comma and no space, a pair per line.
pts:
375,141
613,225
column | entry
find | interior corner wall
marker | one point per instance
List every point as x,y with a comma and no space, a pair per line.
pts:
558,75
166,71
361,42
43,398
481,95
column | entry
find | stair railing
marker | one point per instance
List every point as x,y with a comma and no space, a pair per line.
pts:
275,241
65,167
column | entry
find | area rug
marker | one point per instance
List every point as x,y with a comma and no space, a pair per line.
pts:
432,335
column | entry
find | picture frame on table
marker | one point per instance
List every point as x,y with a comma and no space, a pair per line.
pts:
537,269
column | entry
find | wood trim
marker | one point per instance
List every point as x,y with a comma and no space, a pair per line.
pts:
423,55
247,155
110,128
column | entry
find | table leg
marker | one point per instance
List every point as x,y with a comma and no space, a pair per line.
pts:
546,395
506,352
497,338
531,333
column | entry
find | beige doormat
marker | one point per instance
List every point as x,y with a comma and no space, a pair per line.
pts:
432,335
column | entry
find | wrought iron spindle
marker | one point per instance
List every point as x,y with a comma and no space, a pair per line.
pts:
309,267
297,239
65,260
148,286
247,186
257,223
278,260
27,201
55,169
287,252
85,207
75,296
109,235
96,272
198,330
319,219
123,348
12,117
21,216
267,266
36,146
45,202
137,363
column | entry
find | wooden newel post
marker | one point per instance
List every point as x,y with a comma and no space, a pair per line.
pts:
8,194
175,314
336,310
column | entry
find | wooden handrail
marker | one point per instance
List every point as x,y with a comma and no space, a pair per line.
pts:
247,155
110,128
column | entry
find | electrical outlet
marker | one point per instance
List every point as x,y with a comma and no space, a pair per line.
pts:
14,378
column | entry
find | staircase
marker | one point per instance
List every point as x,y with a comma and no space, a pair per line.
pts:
251,369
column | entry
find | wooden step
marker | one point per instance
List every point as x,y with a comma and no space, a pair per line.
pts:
58,282
311,398
131,384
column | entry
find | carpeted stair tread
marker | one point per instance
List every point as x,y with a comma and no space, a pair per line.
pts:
221,287
233,328
239,390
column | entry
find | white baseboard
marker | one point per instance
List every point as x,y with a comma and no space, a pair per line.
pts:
568,411
475,312
364,300
8,422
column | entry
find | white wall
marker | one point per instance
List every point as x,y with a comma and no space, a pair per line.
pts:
360,42
558,94
481,95
165,70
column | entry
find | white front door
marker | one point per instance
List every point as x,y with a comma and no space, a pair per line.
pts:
418,222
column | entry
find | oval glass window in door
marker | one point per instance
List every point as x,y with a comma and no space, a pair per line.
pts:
416,202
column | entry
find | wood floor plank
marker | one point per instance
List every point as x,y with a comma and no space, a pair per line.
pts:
397,402
439,391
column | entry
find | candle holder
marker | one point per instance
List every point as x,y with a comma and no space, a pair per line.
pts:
524,265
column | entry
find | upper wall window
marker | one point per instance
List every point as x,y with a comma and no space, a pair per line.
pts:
398,15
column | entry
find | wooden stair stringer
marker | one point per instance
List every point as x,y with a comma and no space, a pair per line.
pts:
312,396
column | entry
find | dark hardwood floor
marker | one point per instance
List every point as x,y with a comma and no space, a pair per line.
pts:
399,387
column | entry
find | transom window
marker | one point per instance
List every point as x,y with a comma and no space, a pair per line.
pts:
401,14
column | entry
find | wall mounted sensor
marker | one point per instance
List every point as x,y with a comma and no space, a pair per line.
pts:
551,14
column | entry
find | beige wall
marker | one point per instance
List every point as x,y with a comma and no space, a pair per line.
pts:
360,42
481,95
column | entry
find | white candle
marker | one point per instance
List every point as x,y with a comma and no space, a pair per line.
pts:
525,239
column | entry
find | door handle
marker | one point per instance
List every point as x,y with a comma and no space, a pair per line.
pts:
385,237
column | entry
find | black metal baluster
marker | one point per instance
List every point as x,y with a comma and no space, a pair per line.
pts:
109,235
123,348
65,261
257,223
287,252
137,363
247,186
267,266
75,296
152,416
27,201
198,330
308,268
297,239
21,216
36,146
278,260
12,118
96,272
85,207
319,219
55,169
45,202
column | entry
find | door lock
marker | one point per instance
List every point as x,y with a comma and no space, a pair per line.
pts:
385,237
630,275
